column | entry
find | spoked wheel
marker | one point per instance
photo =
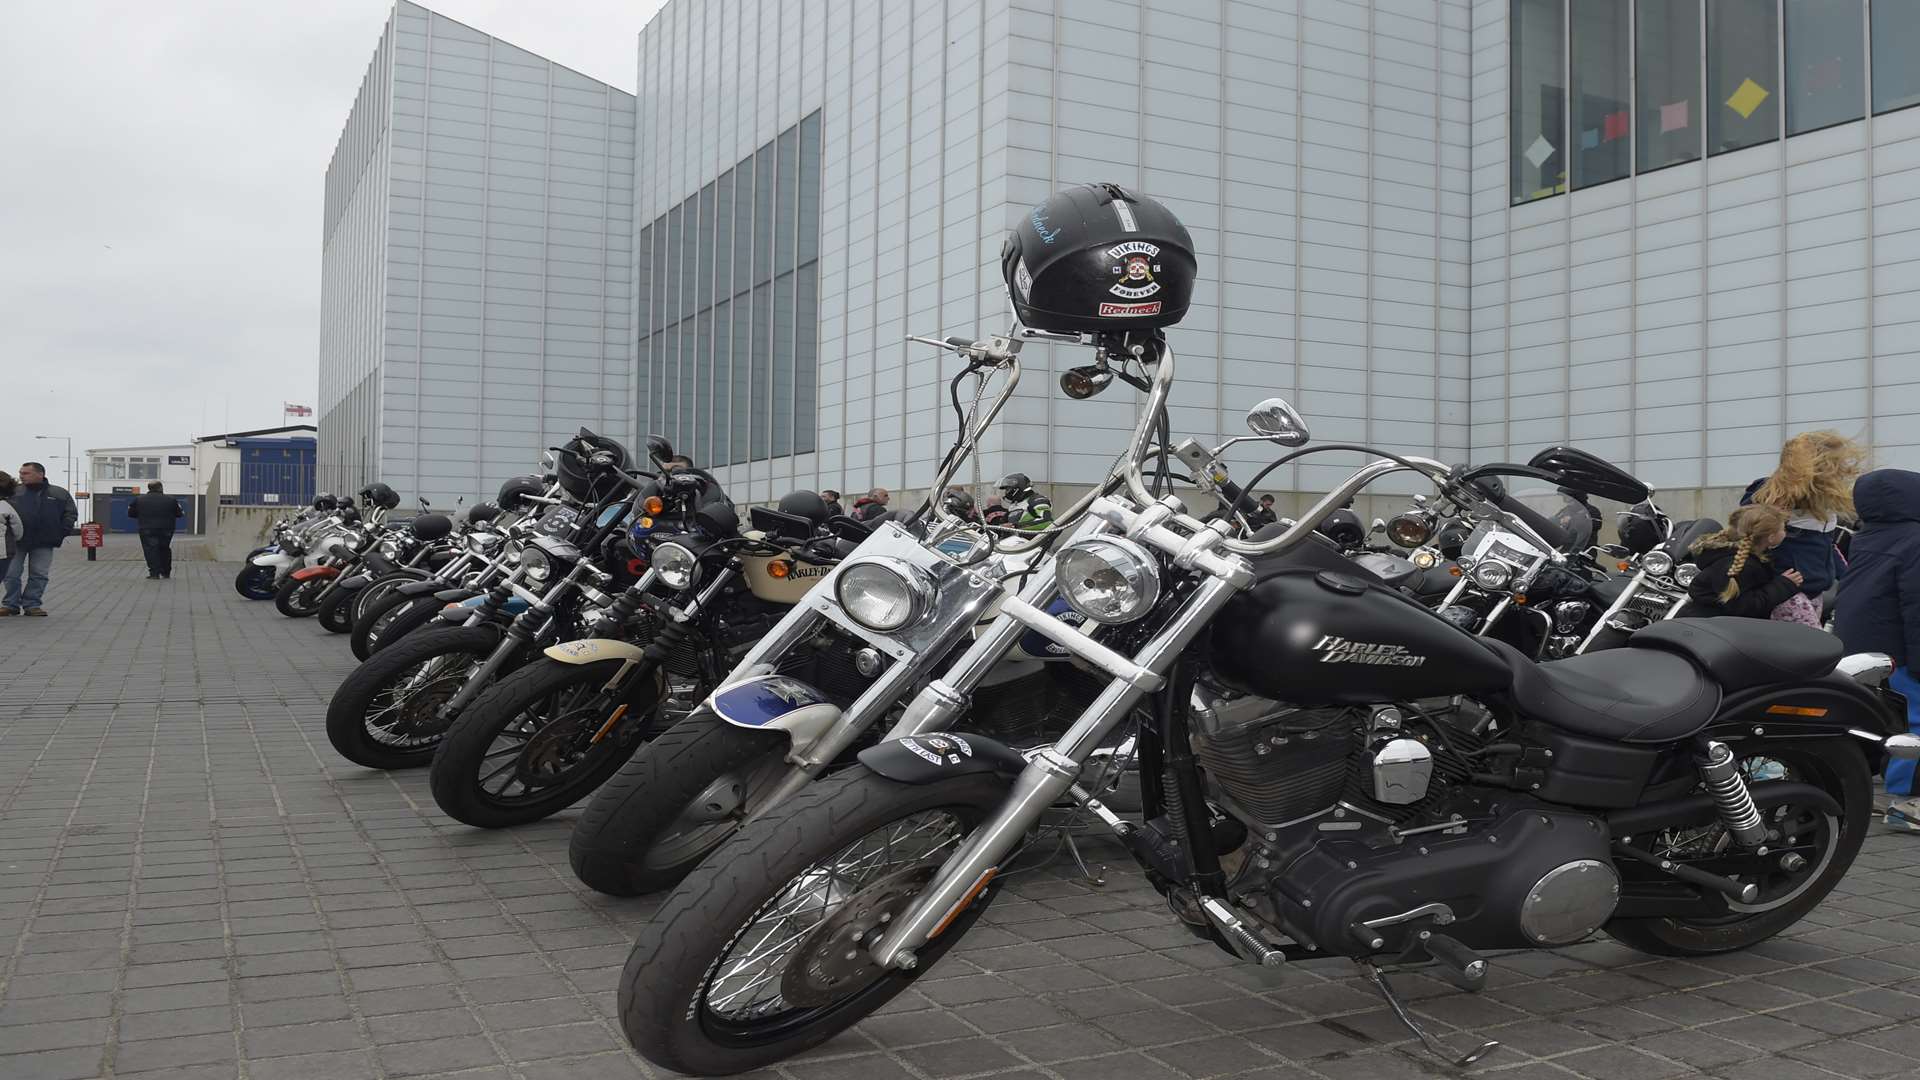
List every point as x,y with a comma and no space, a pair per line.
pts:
539,740
298,599
412,614
375,615
1807,852
386,714
764,951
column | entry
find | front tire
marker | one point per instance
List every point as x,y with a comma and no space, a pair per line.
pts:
254,582
402,622
372,620
380,720
1835,765
516,754
335,614
695,997
295,598
669,807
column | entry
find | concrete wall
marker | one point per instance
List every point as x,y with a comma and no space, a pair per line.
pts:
237,530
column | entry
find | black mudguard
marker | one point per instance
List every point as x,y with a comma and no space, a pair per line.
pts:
1824,708
937,755
378,563
421,588
451,596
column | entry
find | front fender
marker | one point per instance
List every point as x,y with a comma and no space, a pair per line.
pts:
277,559
777,703
937,755
308,573
593,650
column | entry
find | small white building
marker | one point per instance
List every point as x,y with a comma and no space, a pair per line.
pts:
117,474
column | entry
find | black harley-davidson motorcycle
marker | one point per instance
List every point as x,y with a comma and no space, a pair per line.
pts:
1328,769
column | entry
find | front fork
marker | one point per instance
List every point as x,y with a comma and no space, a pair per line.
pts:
1049,774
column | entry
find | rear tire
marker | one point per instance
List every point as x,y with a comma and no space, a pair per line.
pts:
368,727
669,1005
468,771
1836,765
295,598
624,842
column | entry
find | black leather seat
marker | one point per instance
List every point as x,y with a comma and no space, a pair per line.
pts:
1624,695
1739,653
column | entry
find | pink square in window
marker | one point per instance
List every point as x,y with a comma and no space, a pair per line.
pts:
1673,117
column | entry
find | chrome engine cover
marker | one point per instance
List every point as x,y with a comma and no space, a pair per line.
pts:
1573,900
1402,769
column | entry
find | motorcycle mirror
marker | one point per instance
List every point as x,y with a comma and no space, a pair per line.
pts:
659,449
1277,419
846,528
1081,383
717,518
1379,525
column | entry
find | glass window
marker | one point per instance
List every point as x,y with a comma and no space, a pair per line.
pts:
1896,42
1537,43
670,386
781,400
643,249
660,280
788,195
1743,62
703,281
1826,75
1667,71
806,353
759,351
740,415
763,216
723,322
700,372
113,468
743,200
1602,109
809,222
723,237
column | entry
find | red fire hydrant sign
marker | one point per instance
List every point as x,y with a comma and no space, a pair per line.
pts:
93,534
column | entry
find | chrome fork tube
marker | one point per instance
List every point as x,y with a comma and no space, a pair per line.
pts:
1048,775
1619,605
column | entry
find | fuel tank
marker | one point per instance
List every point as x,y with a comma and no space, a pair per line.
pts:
1314,636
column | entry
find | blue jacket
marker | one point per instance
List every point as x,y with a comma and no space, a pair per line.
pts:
1879,603
47,512
1809,551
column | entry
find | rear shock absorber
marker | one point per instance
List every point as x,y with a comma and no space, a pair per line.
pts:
1720,770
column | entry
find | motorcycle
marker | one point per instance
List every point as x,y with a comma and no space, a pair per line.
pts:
337,538
1328,769
396,552
267,566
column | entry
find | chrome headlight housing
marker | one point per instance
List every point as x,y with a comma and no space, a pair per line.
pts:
1684,574
1492,575
1657,562
882,594
1410,530
1109,579
483,541
535,563
677,567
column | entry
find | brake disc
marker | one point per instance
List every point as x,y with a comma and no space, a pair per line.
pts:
836,958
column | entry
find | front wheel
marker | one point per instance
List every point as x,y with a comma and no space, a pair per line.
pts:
416,613
335,613
540,740
297,598
762,952
254,582
1808,852
386,714
679,798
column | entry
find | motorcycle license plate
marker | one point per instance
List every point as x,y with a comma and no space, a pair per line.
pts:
557,520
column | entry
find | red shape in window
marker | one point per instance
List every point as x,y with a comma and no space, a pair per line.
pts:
1614,126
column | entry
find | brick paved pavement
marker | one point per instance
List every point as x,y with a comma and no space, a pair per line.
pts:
196,887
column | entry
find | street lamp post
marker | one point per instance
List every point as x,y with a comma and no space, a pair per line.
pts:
66,453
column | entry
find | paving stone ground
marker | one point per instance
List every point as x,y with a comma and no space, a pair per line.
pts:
193,886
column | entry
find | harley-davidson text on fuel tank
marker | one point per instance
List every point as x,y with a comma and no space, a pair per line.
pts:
1334,649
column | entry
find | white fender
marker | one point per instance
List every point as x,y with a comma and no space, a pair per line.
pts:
593,650
777,703
278,560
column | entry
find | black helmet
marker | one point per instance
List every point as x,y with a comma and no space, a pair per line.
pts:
1343,527
582,480
325,501
430,526
1013,485
958,501
380,495
805,504
513,494
483,511
1642,526
1098,257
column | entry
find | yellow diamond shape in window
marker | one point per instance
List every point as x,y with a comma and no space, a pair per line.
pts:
1750,96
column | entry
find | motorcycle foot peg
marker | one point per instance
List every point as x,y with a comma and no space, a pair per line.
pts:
1459,965
1366,936
1692,875
1245,941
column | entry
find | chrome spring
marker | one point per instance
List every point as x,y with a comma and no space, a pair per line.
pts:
1721,772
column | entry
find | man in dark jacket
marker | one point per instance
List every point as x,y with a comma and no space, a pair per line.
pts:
1264,516
1879,605
48,514
156,513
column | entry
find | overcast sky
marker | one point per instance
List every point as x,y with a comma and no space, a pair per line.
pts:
160,182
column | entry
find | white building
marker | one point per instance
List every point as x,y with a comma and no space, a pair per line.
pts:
116,474
1379,191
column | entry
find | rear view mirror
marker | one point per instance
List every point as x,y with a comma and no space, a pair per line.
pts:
1589,474
659,449
1276,419
848,529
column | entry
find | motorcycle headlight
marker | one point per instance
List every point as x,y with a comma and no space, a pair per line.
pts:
1684,574
1492,574
1657,562
536,564
1108,579
1426,558
677,567
883,594
390,549
1410,530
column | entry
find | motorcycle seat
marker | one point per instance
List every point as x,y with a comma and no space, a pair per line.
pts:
1621,695
1739,653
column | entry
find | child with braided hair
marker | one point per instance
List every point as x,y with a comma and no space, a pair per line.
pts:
1814,484
1737,575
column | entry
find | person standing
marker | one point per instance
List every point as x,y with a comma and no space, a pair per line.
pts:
1879,606
871,505
832,499
1814,484
157,514
1737,575
1264,516
47,514
11,527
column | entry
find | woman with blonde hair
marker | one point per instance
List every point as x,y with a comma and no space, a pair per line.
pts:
1814,485
1737,573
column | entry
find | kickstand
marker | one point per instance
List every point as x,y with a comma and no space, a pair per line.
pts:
1098,880
1379,980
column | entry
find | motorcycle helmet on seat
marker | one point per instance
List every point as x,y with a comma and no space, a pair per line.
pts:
512,495
805,504
325,501
481,512
430,527
1642,526
1099,258
583,481
380,495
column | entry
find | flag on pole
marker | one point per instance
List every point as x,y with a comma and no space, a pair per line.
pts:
297,410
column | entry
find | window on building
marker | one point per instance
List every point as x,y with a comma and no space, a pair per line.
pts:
1896,43
1602,136
110,468
729,339
1667,72
1743,81
143,468
1826,74
1537,112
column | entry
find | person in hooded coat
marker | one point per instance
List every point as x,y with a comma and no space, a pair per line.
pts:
1879,605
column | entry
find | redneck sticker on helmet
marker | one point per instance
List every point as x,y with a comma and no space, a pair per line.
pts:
1125,214
1022,281
1134,263
1129,311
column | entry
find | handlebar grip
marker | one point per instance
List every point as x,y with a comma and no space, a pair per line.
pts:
960,342
1241,500
1550,532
